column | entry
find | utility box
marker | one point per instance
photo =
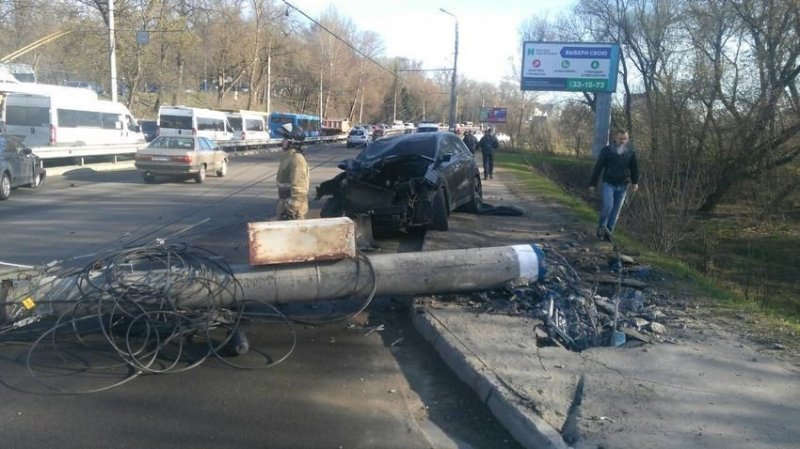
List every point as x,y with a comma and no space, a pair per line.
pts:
278,242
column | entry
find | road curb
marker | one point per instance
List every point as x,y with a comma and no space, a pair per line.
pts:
530,431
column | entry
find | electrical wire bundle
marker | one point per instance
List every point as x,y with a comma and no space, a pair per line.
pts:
153,309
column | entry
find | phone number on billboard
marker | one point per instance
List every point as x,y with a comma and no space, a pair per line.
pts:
579,84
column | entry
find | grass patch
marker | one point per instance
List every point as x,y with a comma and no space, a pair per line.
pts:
753,272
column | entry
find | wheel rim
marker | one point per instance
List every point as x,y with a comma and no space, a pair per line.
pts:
5,186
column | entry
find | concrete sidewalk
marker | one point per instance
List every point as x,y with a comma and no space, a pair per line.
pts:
704,390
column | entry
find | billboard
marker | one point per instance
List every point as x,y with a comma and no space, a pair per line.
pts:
493,115
569,66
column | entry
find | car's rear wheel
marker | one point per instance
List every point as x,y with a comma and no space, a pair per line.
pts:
37,181
148,178
5,186
476,201
439,212
223,170
200,177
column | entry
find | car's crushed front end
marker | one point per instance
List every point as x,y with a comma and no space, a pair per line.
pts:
395,191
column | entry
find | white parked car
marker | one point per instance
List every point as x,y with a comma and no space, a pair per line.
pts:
357,137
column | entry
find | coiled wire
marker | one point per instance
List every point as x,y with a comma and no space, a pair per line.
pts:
155,309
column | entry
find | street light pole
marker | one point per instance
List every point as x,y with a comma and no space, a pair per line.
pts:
112,51
452,125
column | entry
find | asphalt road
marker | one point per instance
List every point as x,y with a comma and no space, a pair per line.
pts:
350,384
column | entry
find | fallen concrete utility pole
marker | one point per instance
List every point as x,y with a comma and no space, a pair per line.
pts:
419,273
433,272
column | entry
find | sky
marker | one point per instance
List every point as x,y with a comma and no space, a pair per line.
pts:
416,29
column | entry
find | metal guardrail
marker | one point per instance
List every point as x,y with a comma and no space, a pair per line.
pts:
57,152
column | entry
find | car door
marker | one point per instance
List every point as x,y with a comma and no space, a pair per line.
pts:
447,166
205,153
461,189
217,154
21,169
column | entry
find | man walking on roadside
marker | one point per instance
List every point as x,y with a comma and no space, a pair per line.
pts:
292,177
620,167
470,141
488,144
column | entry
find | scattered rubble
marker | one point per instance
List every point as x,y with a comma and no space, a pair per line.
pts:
608,308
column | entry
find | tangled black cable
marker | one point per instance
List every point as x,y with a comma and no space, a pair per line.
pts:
153,309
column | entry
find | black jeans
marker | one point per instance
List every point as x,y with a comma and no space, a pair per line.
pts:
488,163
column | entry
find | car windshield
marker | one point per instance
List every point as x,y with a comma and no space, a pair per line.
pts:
404,145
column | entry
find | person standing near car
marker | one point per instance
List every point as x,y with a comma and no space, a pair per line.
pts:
292,177
470,141
488,145
619,166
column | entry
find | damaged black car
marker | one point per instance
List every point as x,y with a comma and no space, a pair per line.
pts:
404,181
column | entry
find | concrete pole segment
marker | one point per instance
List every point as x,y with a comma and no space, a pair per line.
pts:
419,273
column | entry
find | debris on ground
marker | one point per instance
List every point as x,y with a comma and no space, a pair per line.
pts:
605,309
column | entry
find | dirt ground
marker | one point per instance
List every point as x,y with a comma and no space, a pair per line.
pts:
780,342
702,351
576,241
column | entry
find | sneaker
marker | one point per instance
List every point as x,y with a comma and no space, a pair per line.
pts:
603,233
491,176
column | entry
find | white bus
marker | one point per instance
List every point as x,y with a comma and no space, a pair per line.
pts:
67,120
248,125
186,121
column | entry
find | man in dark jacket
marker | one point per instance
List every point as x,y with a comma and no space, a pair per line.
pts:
488,144
619,166
470,141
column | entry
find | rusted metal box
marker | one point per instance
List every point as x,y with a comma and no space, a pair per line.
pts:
276,242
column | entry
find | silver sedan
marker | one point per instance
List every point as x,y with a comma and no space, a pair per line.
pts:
189,157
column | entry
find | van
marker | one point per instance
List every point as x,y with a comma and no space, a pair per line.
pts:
8,86
248,125
64,120
187,121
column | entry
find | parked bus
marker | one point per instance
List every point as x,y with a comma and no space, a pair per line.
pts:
309,123
66,120
248,125
183,120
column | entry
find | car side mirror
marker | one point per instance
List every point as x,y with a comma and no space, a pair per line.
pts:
446,157
27,151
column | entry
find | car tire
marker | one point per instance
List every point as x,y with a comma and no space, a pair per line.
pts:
37,181
5,186
148,178
200,177
223,170
476,200
439,212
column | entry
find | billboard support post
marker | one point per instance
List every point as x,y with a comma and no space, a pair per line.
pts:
602,122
